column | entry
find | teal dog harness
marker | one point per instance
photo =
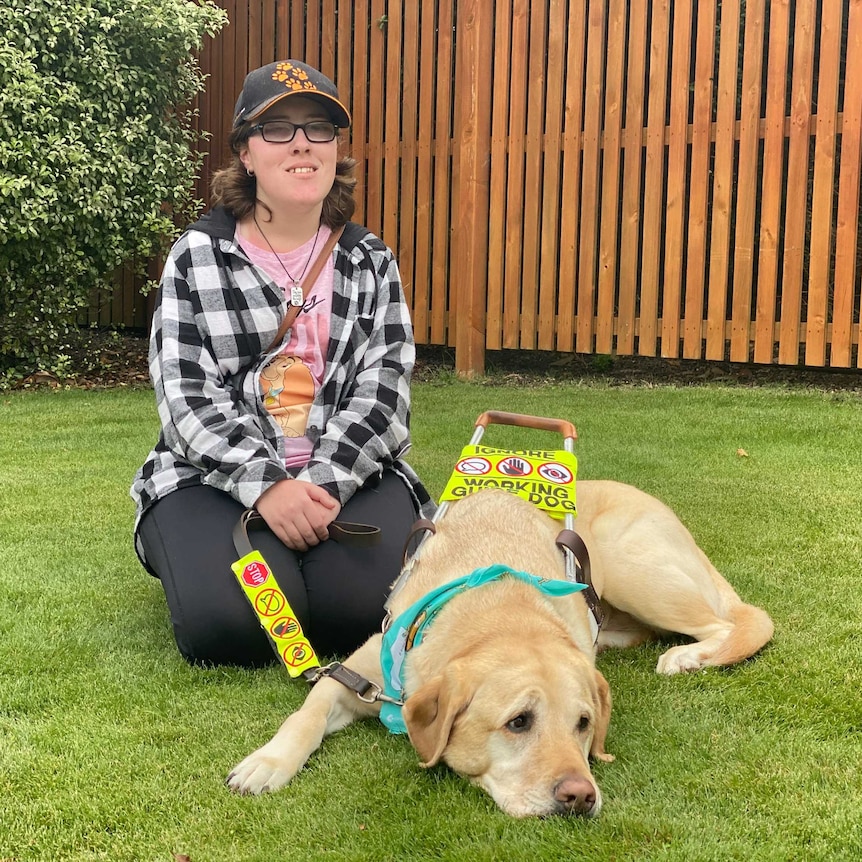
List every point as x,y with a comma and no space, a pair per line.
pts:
408,629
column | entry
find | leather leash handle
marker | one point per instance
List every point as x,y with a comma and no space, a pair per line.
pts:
344,532
357,535
307,283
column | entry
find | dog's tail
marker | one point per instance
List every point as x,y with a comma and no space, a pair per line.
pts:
752,630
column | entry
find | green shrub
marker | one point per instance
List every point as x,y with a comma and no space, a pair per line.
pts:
96,153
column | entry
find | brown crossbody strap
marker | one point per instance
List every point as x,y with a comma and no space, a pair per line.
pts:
307,282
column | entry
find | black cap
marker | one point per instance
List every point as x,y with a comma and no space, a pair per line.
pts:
270,84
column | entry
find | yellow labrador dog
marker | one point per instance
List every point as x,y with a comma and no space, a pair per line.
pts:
503,686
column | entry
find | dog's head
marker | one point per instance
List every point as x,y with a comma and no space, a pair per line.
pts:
521,730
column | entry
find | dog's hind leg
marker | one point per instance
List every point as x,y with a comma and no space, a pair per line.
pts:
697,601
725,642
329,707
685,594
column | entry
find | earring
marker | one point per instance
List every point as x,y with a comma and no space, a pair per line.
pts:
249,172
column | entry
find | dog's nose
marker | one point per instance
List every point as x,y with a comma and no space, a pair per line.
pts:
575,795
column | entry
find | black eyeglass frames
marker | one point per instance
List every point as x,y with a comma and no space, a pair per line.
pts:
283,132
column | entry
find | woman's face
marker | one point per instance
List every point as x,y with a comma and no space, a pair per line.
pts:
296,176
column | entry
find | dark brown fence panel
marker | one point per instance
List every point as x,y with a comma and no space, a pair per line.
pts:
641,177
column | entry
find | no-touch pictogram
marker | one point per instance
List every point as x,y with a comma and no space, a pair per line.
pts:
285,628
514,465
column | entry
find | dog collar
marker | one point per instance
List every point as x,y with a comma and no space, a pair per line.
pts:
408,629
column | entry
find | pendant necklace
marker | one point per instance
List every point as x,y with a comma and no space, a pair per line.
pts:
296,297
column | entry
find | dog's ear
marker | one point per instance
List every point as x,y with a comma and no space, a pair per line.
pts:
430,712
603,719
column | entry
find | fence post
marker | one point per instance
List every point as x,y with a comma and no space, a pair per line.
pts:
468,284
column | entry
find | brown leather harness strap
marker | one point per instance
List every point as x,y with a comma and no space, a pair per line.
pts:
420,525
569,540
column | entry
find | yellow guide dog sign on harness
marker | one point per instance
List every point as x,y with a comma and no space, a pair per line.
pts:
544,478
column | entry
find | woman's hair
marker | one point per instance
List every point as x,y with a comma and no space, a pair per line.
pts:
236,191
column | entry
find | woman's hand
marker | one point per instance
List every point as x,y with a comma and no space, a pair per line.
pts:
298,512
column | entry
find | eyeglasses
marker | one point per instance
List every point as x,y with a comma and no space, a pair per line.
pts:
283,132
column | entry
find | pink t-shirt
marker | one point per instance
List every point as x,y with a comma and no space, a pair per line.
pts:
290,380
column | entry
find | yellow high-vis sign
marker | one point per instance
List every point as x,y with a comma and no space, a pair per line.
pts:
545,478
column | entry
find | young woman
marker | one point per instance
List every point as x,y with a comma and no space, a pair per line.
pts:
307,425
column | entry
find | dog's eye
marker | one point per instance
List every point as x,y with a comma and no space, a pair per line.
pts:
583,723
520,723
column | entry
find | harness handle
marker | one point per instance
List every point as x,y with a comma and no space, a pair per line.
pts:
522,420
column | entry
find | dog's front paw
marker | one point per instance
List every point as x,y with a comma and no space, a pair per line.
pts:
263,771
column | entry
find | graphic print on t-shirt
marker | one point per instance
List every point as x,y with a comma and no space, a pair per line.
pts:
288,390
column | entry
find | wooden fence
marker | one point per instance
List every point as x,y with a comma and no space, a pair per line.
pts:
641,177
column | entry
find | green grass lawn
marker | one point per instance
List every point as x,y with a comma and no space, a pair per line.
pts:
112,748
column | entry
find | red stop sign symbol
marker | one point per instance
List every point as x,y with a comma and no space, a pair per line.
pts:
254,574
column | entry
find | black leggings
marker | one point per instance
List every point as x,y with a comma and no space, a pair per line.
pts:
337,591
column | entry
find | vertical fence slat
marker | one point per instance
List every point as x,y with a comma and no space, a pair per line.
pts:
552,154
240,66
443,193
298,48
797,182
282,29
408,149
424,174
847,220
475,67
629,266
328,36
533,167
746,197
722,180
677,186
819,262
357,83
772,186
312,34
654,176
516,134
608,233
391,36
698,213
267,33
570,194
498,211
377,95
343,53
592,147
254,35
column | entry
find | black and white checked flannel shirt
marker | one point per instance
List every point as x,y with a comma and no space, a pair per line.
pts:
215,315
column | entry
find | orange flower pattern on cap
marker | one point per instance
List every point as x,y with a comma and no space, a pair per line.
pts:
292,78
